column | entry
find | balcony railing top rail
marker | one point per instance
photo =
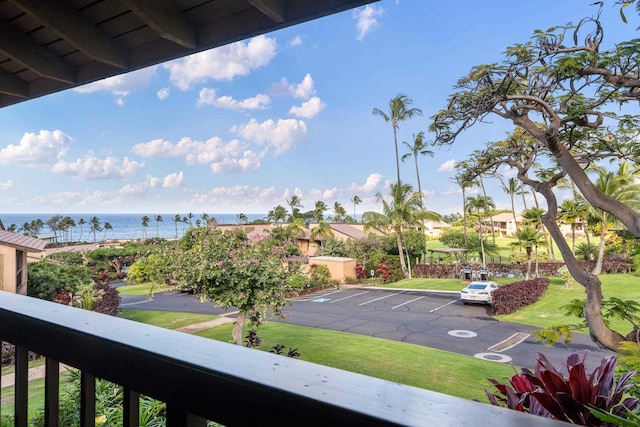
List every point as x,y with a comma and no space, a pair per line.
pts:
227,383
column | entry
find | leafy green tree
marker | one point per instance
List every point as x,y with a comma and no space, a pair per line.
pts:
417,148
231,271
399,110
558,89
54,225
401,211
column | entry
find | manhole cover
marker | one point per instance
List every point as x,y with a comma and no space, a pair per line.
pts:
460,333
493,357
321,300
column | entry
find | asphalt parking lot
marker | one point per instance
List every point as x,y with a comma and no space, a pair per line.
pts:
437,320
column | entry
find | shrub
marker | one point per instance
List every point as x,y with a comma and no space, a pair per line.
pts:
510,298
548,393
109,302
298,282
319,275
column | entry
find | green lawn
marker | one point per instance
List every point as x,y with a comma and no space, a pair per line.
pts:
36,395
165,319
439,284
143,289
547,312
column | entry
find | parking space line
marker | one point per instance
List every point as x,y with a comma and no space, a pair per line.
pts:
316,295
377,299
405,303
443,306
510,342
350,296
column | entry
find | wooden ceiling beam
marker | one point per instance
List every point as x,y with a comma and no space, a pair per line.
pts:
31,54
274,9
76,30
166,19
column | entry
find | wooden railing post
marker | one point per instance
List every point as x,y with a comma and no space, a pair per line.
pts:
21,395
51,392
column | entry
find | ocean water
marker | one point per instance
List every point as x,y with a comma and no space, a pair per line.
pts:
124,226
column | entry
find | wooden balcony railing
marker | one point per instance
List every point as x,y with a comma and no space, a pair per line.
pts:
201,379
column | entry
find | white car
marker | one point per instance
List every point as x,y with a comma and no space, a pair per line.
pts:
478,291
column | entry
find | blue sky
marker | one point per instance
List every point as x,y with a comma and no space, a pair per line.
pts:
241,128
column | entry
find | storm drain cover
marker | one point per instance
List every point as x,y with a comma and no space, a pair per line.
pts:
460,333
321,300
493,357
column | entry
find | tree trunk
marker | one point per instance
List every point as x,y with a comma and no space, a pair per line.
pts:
603,237
599,331
237,329
401,251
395,140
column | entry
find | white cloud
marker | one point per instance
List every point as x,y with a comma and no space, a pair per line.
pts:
222,63
91,167
173,180
302,90
6,185
35,149
329,193
507,172
163,93
121,85
447,166
366,19
308,109
119,102
208,97
251,198
282,135
371,184
223,157
296,41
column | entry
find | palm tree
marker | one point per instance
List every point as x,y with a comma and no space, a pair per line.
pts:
277,214
81,222
480,204
319,210
569,212
398,111
464,183
106,226
530,237
176,219
512,187
339,212
533,216
145,224
25,229
242,219
94,226
294,204
403,210
356,200
321,232
295,229
622,186
158,219
417,148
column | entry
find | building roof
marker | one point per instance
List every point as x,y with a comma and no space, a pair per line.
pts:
348,231
53,45
20,242
504,217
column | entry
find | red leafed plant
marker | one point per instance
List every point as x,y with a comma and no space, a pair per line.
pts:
548,393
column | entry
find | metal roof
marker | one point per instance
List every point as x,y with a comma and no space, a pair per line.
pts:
20,242
51,45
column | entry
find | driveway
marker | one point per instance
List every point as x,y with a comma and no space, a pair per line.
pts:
432,319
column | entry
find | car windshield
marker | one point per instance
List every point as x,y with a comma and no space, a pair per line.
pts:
476,286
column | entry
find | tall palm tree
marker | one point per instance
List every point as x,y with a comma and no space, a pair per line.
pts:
621,185
464,183
158,219
569,212
105,227
530,237
94,226
295,205
480,205
319,210
418,148
81,222
401,211
145,224
339,212
356,200
242,219
277,215
489,204
399,110
176,219
512,187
